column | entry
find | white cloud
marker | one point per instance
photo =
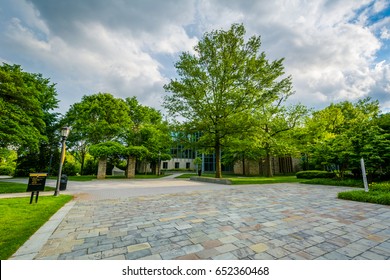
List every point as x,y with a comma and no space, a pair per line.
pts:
330,47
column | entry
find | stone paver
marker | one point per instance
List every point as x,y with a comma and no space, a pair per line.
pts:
279,221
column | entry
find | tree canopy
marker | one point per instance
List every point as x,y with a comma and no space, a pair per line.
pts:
25,103
220,86
98,118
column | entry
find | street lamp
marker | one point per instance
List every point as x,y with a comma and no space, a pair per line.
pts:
159,163
64,134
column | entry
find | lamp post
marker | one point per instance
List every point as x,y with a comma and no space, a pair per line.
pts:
159,163
64,134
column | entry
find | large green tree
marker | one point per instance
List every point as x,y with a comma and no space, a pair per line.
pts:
221,84
275,123
148,131
27,122
97,119
343,133
25,103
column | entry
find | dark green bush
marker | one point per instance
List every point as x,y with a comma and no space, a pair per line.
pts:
70,169
313,174
6,170
23,172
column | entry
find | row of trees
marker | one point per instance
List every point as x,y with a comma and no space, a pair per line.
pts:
227,93
236,98
102,126
113,128
337,137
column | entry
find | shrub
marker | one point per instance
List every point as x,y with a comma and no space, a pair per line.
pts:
24,172
6,170
70,169
313,174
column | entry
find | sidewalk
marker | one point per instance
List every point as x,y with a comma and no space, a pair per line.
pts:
279,221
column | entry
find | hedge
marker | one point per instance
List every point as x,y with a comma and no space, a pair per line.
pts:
6,170
313,174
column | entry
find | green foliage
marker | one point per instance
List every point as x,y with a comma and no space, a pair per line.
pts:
138,152
338,136
7,170
19,220
221,85
107,149
70,168
25,98
90,167
97,118
11,187
382,187
7,161
378,197
148,131
335,182
311,174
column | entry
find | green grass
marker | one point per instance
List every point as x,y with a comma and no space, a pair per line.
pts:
362,196
189,175
86,178
19,219
241,180
379,193
265,180
8,187
335,182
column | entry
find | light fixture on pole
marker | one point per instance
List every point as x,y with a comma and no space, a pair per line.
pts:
159,163
64,134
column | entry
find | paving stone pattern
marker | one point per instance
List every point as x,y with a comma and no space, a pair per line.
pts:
286,221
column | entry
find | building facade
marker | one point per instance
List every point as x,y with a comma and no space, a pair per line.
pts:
280,165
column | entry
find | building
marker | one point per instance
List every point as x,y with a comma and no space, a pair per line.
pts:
280,165
183,159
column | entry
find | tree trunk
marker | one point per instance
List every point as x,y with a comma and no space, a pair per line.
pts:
82,154
243,165
154,168
130,168
102,168
218,165
268,163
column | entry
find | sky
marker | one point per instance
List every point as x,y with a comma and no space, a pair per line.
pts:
335,50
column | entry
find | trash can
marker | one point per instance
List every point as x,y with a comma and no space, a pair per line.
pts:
63,182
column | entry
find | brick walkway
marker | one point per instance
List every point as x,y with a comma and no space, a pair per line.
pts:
282,221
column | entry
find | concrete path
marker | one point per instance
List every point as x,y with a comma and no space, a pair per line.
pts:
181,219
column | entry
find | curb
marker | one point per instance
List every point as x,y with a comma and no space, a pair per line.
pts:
212,180
33,245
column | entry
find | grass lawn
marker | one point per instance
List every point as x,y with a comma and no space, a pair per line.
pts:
335,182
379,193
19,219
85,178
8,187
265,180
241,180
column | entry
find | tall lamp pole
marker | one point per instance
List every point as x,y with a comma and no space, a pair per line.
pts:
159,163
64,134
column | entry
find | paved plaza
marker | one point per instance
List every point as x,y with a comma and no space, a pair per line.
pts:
178,219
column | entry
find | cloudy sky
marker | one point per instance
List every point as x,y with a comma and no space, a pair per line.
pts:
334,49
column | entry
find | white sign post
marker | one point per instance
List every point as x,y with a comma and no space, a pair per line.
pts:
364,174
